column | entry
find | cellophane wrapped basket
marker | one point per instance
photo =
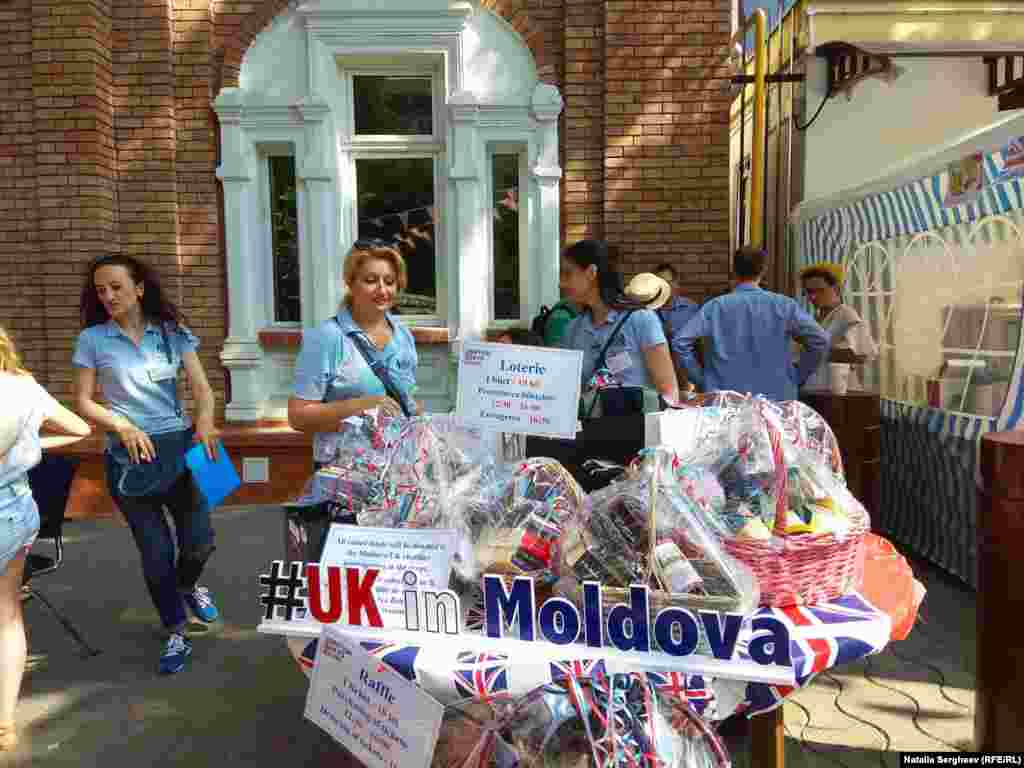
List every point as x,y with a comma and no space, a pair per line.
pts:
791,517
644,529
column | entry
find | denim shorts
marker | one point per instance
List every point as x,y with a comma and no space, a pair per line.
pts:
19,524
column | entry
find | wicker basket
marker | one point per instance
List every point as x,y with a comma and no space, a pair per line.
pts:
805,568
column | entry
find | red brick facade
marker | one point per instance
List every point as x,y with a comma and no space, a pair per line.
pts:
108,142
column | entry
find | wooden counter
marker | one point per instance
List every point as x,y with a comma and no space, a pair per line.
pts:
856,419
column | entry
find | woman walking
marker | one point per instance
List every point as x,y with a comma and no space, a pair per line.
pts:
134,344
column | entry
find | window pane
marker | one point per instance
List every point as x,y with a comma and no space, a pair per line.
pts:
393,105
505,175
284,239
396,199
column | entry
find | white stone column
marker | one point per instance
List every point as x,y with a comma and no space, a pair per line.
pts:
242,354
546,175
318,172
471,267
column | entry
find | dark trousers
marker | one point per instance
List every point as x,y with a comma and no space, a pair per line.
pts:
167,575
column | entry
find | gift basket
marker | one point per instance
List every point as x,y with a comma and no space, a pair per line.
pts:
604,721
644,530
434,472
787,513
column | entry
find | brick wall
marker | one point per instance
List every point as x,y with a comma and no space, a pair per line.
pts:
107,142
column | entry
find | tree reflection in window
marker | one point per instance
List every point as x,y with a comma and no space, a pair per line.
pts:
393,106
396,203
505,229
284,239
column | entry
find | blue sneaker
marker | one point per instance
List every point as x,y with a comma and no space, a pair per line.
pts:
200,602
177,650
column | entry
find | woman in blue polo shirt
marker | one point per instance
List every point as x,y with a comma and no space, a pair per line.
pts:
134,344
363,359
637,354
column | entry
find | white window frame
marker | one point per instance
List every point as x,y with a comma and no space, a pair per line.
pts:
522,149
380,147
265,152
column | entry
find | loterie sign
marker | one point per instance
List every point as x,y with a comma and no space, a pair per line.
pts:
517,389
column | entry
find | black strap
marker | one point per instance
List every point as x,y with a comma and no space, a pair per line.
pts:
378,370
599,363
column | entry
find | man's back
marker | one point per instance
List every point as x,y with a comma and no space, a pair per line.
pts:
750,331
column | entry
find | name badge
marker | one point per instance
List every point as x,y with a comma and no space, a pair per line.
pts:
619,363
160,373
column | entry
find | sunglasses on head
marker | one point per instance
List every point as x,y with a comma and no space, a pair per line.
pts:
372,242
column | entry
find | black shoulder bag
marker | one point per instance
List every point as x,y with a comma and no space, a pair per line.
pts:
610,405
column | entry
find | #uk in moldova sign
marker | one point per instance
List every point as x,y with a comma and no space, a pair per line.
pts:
525,390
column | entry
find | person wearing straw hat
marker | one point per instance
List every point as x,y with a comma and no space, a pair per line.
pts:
27,406
750,331
849,336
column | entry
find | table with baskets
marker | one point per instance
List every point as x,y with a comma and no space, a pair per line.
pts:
810,582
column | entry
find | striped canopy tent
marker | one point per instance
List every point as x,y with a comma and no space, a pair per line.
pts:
937,272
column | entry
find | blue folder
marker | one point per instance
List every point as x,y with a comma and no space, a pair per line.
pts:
217,479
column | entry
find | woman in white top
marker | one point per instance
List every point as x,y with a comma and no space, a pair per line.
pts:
850,336
27,406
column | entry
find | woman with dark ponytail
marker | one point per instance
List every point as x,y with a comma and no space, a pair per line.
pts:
623,343
622,324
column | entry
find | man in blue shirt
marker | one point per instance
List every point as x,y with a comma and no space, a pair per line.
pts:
750,331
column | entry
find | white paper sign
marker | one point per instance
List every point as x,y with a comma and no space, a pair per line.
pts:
368,708
395,552
526,390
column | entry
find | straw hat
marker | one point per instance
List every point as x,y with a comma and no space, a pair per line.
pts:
649,289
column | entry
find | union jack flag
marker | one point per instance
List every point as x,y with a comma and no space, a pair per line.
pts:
400,657
691,689
581,669
820,636
481,676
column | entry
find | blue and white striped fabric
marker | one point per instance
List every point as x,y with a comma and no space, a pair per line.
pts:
908,210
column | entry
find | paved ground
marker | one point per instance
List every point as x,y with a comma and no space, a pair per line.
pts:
241,699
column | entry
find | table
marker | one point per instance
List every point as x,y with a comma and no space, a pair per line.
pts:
821,637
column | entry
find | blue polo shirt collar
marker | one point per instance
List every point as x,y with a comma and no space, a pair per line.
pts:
349,326
111,328
748,287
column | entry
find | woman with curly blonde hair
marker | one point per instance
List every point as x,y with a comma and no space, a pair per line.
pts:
27,407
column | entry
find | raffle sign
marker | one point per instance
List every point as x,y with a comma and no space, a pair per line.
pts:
517,389
371,710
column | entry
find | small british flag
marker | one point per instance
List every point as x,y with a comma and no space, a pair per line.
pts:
691,689
481,676
401,658
581,669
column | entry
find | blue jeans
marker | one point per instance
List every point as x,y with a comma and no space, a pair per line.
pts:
167,577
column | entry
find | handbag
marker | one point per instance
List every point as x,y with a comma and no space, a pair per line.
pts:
145,478
381,372
615,400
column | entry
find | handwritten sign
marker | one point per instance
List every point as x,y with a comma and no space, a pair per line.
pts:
526,390
371,710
